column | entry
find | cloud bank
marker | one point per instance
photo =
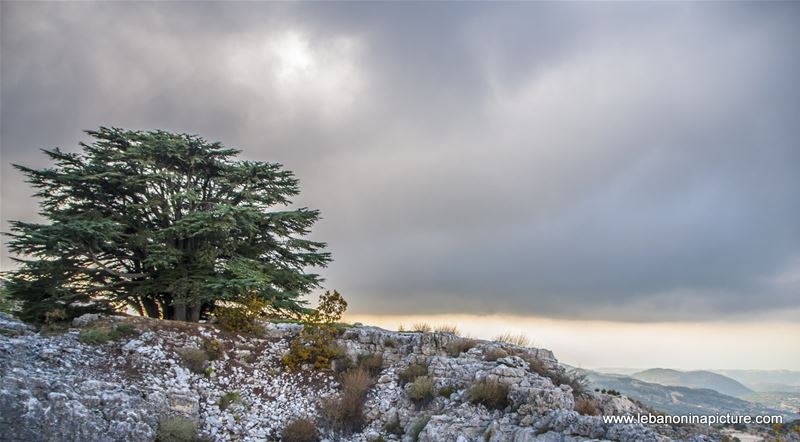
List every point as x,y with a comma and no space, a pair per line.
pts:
606,161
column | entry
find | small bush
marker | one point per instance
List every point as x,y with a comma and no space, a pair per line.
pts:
177,429
421,391
459,346
372,363
317,341
228,399
123,331
412,372
301,429
447,391
393,426
356,382
94,336
519,340
494,354
194,359
214,349
390,342
418,426
447,328
421,327
490,394
242,317
587,407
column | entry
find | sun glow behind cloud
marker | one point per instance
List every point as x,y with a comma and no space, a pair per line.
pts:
298,73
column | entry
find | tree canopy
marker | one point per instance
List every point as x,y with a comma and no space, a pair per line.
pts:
167,224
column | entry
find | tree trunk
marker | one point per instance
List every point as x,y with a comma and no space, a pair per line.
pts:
150,308
193,313
179,312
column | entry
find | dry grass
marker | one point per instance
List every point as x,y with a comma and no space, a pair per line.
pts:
587,407
356,382
301,429
194,359
459,346
447,328
494,354
412,372
520,340
491,394
421,391
373,363
421,327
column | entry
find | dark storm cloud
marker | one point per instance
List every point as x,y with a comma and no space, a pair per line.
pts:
622,161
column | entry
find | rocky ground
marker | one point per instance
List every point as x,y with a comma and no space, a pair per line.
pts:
58,387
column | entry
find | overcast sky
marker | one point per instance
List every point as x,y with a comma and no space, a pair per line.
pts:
608,161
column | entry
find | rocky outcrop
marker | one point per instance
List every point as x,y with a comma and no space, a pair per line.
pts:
54,387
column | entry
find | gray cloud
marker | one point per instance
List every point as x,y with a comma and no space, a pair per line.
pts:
618,161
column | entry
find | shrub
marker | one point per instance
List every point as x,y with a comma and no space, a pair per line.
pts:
447,391
300,429
418,426
316,344
390,342
242,317
372,363
356,382
228,399
587,407
490,394
519,340
177,429
94,336
494,354
421,391
447,328
214,349
393,426
345,413
123,331
412,372
55,315
421,327
194,359
459,346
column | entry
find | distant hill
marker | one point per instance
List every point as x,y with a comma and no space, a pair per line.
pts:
766,380
694,379
678,400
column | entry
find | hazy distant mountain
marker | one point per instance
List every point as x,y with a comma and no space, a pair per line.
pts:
694,379
779,400
679,400
766,380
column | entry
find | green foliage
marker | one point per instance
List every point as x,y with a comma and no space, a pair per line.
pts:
316,344
228,399
123,331
446,391
300,430
491,394
393,426
194,359
412,372
241,318
373,363
94,336
214,349
390,343
418,426
167,224
7,304
421,391
459,346
177,429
